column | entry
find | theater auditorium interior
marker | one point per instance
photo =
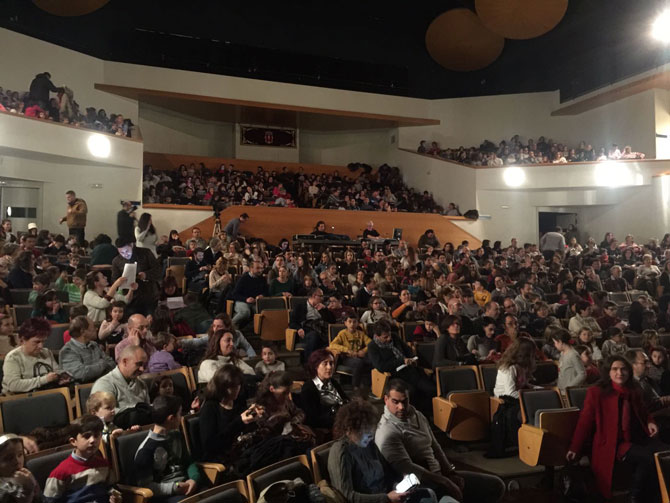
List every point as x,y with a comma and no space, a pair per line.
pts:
316,252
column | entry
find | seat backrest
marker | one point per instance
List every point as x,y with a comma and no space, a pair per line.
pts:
489,373
81,394
634,340
456,379
179,273
334,329
20,295
191,427
220,495
182,382
576,396
663,471
633,295
294,301
22,313
618,298
534,400
425,351
270,303
230,492
41,464
545,373
63,296
23,413
408,328
390,299
54,341
124,448
178,261
287,469
320,462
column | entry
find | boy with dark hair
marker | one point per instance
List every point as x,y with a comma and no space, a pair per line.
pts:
41,284
85,476
162,460
351,344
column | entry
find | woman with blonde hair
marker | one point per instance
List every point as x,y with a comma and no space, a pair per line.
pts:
219,277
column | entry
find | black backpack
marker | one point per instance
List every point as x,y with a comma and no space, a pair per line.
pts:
504,429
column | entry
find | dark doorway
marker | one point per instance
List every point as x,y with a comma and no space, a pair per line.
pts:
548,220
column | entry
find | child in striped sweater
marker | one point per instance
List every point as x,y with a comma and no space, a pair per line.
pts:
85,476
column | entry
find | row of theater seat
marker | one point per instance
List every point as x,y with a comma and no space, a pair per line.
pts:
122,453
23,412
463,409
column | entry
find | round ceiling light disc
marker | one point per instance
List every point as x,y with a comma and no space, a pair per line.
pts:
521,19
459,41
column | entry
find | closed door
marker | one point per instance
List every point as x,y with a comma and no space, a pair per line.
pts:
21,206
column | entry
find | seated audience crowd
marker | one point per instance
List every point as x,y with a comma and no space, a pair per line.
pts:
517,151
592,309
61,108
221,186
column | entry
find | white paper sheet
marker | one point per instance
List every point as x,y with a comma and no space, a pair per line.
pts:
175,302
129,272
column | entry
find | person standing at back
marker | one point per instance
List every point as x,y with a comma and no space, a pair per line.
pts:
75,216
40,87
232,228
552,242
125,221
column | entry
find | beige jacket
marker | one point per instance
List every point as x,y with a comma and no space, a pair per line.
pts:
76,214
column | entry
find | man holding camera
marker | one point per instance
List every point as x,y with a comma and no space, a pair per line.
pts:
232,228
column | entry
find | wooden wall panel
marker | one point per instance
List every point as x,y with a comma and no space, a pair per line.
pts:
172,162
273,224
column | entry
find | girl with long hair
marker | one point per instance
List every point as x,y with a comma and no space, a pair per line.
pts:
221,351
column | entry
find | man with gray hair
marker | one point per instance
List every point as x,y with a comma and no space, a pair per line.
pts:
130,392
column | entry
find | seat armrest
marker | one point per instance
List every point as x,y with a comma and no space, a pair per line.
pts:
258,323
530,444
291,335
495,403
134,494
443,412
230,305
378,382
212,471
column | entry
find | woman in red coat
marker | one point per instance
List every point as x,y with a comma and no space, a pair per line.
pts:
615,418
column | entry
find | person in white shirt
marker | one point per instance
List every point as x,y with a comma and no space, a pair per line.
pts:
515,368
